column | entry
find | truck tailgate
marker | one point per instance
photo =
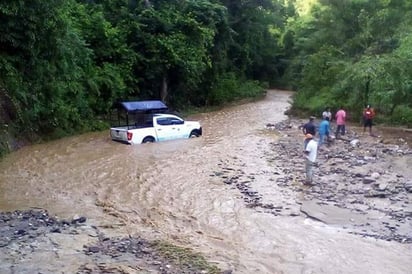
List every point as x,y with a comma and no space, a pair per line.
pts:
119,134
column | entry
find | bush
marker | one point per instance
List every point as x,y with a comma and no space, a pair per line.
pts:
229,88
402,116
312,106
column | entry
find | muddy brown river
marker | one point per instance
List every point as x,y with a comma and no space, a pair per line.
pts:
170,191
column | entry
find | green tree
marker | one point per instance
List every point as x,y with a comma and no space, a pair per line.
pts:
41,63
351,52
176,37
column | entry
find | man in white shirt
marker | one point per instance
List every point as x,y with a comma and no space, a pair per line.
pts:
311,152
327,113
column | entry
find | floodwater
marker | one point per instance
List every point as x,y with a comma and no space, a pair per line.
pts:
168,191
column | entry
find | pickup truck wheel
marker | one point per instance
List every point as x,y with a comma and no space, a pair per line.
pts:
148,140
194,134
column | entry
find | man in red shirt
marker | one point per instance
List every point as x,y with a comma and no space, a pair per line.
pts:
368,115
340,117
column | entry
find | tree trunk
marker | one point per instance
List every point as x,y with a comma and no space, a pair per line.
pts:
366,95
163,92
392,109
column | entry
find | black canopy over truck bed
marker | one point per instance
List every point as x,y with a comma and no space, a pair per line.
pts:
133,114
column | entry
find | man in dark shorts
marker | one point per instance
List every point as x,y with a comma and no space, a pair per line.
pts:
368,115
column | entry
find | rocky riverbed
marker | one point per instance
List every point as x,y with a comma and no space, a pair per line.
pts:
363,184
83,248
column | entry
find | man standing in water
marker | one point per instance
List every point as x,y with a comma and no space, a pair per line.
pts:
310,151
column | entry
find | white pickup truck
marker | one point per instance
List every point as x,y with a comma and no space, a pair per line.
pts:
146,122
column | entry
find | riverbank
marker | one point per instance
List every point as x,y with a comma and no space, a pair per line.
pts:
76,246
362,183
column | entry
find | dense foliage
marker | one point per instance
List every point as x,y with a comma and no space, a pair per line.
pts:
351,53
64,63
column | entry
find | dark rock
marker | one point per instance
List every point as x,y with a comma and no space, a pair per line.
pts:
368,180
377,195
55,230
65,222
408,186
20,232
93,249
79,220
4,243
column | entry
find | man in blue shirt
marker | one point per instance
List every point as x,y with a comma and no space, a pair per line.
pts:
324,129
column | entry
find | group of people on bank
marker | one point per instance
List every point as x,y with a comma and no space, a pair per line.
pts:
324,129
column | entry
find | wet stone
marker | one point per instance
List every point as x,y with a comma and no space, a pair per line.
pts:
55,230
408,186
78,220
368,180
377,195
93,249
383,186
375,175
